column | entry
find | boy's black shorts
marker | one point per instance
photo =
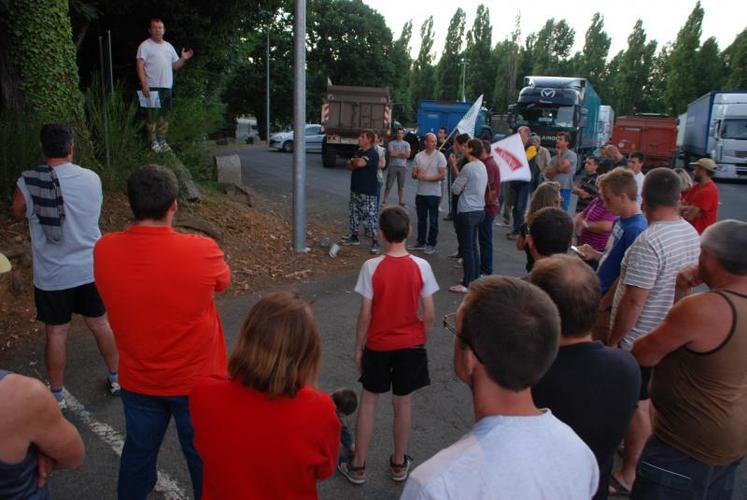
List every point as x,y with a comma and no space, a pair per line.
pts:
405,370
57,307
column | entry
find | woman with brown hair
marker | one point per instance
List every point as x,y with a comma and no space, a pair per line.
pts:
547,194
265,431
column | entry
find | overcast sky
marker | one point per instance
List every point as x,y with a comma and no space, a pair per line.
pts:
662,19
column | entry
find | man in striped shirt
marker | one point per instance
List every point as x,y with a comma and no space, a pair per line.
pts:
645,291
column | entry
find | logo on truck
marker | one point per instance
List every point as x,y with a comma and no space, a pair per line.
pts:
549,93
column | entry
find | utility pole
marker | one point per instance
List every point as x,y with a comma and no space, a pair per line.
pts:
464,62
299,126
267,71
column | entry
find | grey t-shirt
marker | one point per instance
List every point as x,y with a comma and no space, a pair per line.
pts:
429,164
396,146
69,263
565,179
470,186
506,457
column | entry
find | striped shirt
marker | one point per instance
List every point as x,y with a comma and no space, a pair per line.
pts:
596,211
652,263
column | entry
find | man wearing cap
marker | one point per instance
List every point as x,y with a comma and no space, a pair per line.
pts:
700,207
699,387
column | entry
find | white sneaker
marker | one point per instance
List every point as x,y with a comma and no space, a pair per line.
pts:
165,148
155,146
429,250
62,404
113,387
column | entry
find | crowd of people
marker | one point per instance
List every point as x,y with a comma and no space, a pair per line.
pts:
602,348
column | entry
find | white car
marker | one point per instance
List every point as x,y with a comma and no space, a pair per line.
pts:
283,141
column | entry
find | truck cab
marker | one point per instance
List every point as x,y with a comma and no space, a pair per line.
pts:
728,137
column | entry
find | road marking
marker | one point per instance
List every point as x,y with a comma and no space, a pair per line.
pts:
165,484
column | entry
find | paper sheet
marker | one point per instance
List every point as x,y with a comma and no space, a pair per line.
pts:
152,101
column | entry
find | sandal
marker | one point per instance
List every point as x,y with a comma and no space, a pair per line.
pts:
458,289
617,488
356,475
400,471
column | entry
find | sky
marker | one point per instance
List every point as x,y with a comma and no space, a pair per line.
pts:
662,19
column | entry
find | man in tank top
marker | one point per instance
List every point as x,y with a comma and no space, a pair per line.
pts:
699,384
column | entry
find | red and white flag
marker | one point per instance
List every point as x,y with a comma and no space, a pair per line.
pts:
511,159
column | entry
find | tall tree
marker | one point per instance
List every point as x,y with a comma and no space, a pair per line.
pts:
507,56
653,97
682,81
631,71
551,47
448,70
481,70
402,62
423,77
735,57
710,68
592,61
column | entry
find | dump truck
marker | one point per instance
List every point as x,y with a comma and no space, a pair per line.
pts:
654,135
348,110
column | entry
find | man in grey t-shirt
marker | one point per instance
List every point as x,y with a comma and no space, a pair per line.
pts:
429,169
399,153
562,167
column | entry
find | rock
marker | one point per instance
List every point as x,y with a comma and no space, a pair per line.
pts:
228,169
200,225
237,193
188,189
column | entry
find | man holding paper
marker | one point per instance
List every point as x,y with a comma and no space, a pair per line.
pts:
156,62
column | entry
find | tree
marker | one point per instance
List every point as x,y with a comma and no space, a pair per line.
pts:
423,79
735,57
630,72
402,68
481,70
653,99
682,81
710,68
551,47
448,70
592,61
508,56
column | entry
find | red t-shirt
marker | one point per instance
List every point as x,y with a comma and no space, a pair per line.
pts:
395,285
256,447
494,179
158,287
705,198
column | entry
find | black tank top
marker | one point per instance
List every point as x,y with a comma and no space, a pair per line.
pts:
18,481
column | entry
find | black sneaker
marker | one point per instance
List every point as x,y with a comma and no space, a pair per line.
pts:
418,248
375,248
356,475
350,240
113,387
400,471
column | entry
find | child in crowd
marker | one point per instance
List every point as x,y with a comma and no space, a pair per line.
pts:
346,402
390,341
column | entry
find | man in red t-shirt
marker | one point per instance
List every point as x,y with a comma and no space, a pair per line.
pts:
158,286
390,341
700,207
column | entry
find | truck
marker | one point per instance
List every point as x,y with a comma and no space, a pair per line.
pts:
433,115
348,110
716,128
654,135
606,124
552,104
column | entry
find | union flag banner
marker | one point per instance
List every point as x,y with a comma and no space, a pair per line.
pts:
511,159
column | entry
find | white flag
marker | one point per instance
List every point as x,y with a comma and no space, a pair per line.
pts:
511,159
467,124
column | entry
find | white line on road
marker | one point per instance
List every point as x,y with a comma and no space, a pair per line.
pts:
165,485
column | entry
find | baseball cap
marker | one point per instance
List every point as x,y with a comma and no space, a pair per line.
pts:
4,264
705,163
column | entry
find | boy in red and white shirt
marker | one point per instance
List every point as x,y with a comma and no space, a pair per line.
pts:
390,341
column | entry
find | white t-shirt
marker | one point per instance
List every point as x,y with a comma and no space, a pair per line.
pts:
430,165
59,266
159,58
652,263
639,177
509,458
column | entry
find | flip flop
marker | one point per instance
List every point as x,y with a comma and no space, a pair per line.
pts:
617,488
458,289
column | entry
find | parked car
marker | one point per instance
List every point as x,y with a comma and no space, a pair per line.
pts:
283,141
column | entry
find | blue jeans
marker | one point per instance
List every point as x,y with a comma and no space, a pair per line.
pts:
566,195
666,473
467,224
147,418
427,209
520,193
485,237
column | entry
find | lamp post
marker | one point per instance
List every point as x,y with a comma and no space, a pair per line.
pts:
464,62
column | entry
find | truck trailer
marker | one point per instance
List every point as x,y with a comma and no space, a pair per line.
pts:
346,112
654,135
552,104
716,128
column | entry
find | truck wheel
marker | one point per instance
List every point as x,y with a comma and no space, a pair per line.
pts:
329,157
288,147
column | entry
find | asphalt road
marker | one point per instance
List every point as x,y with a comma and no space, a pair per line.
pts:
442,412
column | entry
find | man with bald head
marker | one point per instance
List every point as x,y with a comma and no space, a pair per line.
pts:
429,169
588,383
699,386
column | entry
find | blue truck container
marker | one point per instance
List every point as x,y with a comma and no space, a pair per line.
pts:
433,115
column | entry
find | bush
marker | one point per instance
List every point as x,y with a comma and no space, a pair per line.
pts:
19,148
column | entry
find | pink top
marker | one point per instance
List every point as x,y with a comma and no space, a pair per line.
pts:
595,212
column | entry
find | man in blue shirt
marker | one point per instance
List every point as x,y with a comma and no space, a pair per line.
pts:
619,192
364,185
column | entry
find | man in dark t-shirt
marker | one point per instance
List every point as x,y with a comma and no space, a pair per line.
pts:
364,186
592,388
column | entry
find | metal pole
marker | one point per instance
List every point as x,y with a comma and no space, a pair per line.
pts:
299,122
105,105
111,71
267,70
463,62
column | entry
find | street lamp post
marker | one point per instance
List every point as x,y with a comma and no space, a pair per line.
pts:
299,126
463,62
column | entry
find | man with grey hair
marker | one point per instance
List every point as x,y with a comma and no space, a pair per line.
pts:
699,388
